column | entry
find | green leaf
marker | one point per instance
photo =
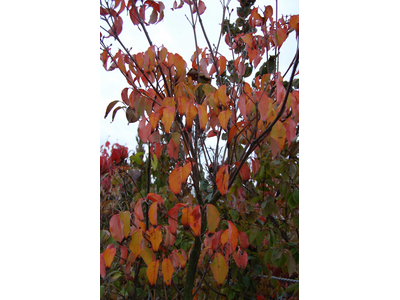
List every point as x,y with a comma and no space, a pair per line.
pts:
234,214
292,288
246,281
154,162
101,291
260,237
204,185
256,199
290,262
253,234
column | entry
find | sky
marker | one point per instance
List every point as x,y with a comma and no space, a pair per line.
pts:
176,34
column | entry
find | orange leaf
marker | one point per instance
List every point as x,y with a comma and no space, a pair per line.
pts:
152,271
168,117
219,268
185,219
280,36
102,266
230,234
186,169
136,243
255,164
224,118
126,218
247,38
173,145
222,64
116,225
155,238
220,95
191,113
213,218
155,198
173,213
222,179
195,220
167,270
153,213
244,171
175,180
278,133
108,256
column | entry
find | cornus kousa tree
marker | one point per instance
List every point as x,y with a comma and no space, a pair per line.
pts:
207,205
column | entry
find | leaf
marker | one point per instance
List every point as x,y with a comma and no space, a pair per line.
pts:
244,171
219,268
124,254
203,117
222,179
148,255
213,218
175,180
167,270
144,130
155,237
191,113
136,243
138,209
290,262
195,220
240,259
126,220
110,107
168,117
243,240
173,213
153,213
185,218
223,118
152,271
186,169
280,36
102,266
116,228
278,133
108,256
155,198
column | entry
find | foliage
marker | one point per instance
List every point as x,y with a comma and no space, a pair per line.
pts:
183,217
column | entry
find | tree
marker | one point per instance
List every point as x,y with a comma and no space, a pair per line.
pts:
184,217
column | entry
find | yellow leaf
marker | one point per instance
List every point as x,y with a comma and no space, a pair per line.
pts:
148,255
219,268
213,217
224,118
155,237
167,270
136,243
278,133
126,218
168,117
152,271
108,256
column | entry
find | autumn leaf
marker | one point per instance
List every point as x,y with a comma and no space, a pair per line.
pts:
173,214
195,220
155,237
175,180
173,145
191,113
126,218
116,226
152,271
168,117
177,258
124,254
155,198
213,217
138,209
148,255
224,118
108,256
203,117
219,268
278,133
167,270
153,213
230,234
222,179
102,266
185,219
144,130
244,171
243,239
136,243
240,259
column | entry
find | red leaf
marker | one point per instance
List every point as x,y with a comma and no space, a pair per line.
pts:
155,198
173,145
195,220
116,226
240,259
144,130
244,171
124,254
102,266
243,240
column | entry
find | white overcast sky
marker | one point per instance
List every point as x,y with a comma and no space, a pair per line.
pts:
176,34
